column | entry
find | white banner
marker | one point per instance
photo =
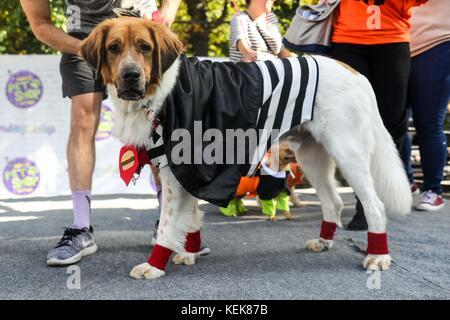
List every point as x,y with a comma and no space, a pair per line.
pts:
34,128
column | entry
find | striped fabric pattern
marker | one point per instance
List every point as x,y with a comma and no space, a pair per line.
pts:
289,90
264,38
158,157
290,87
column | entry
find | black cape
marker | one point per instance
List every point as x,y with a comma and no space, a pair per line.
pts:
267,95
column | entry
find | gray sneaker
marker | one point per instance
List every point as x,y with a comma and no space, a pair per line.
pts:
75,244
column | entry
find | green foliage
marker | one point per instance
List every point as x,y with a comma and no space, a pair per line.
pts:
15,33
202,25
216,25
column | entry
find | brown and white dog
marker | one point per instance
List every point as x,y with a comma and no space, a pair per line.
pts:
138,60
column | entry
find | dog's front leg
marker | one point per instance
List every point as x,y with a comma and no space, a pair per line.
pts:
176,221
192,220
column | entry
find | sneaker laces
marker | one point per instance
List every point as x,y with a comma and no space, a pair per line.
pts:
429,196
68,236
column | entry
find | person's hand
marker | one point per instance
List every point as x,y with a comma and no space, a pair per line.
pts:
285,53
167,17
250,56
78,47
168,11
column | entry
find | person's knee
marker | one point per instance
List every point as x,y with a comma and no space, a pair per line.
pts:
85,118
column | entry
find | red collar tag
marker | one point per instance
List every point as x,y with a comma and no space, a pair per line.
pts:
128,163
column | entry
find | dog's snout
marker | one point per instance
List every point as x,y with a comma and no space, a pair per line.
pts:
131,75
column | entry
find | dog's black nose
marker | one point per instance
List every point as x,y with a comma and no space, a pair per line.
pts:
131,75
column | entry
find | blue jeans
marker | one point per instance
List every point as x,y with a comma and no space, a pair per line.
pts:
428,96
405,155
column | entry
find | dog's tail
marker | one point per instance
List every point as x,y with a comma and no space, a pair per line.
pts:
391,182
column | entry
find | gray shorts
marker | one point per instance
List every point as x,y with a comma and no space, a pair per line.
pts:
78,77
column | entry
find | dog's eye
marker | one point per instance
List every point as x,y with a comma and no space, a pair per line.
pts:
144,47
114,48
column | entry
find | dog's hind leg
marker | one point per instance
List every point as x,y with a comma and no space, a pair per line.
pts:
319,168
179,218
353,159
295,199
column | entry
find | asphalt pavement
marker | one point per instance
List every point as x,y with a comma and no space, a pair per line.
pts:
250,258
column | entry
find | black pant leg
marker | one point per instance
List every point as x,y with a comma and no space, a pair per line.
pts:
389,74
356,56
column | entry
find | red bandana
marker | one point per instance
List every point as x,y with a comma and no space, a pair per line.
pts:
131,160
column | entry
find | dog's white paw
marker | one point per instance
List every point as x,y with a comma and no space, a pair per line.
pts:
377,261
146,271
318,245
186,258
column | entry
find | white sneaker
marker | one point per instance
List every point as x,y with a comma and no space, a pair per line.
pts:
430,201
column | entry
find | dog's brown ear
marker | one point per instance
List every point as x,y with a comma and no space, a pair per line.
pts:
93,48
167,48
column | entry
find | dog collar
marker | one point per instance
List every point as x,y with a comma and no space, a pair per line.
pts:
154,119
150,114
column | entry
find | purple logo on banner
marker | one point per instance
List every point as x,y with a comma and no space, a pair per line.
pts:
105,126
24,89
21,176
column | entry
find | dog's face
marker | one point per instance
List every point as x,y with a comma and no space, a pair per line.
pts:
287,156
132,54
281,156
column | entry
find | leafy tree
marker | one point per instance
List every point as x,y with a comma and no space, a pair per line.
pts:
15,33
202,25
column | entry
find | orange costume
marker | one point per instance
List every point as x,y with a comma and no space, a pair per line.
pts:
248,185
373,21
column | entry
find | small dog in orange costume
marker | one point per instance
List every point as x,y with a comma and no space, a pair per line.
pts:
274,185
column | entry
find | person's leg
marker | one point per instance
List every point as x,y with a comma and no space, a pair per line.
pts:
356,56
389,75
405,151
405,154
86,92
78,240
85,117
430,92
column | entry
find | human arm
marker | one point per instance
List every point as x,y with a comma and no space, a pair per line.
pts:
239,38
169,10
248,53
39,16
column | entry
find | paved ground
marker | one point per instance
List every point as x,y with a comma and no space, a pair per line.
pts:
251,258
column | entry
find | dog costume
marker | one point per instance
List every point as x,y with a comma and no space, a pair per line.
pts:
270,97
271,187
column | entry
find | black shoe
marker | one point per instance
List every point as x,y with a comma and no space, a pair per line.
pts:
359,222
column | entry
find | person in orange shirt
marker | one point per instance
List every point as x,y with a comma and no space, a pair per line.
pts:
372,36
